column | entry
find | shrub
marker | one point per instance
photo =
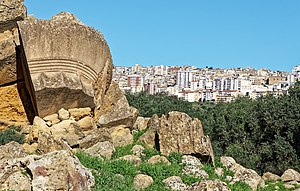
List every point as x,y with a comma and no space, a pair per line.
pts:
9,135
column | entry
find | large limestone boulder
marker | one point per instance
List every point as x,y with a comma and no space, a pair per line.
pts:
148,138
241,173
94,136
290,175
102,149
17,102
121,136
70,63
179,133
115,109
59,170
47,143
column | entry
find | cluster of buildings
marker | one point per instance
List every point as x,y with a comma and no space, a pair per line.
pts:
204,84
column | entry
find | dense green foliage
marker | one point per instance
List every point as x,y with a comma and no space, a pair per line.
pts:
11,134
261,134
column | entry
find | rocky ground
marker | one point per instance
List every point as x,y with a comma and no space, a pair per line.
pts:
68,151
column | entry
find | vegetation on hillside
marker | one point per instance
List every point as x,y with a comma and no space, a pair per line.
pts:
261,134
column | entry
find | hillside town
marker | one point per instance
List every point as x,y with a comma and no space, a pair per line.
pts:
204,84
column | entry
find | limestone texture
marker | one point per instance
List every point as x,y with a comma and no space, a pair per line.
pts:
70,63
209,185
241,173
142,181
179,133
115,109
59,170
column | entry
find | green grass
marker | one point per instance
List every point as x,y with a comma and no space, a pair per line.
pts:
11,134
114,175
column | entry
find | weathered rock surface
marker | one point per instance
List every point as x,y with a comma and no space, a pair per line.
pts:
53,119
67,130
193,167
86,123
30,148
270,176
141,123
241,173
132,158
174,183
79,113
158,159
209,185
48,143
138,150
12,10
115,109
148,138
70,63
101,149
37,121
11,150
58,170
16,88
180,134
94,136
290,175
121,136
142,181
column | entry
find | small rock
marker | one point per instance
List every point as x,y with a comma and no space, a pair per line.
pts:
270,176
158,159
30,148
289,186
142,181
195,171
53,119
86,123
175,183
138,150
48,143
219,171
290,175
189,160
68,130
121,136
63,114
79,113
132,158
140,123
37,121
94,136
103,149
229,178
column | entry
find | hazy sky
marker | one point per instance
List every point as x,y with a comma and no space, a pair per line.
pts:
217,33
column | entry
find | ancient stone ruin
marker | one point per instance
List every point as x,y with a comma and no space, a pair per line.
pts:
46,65
70,63
17,100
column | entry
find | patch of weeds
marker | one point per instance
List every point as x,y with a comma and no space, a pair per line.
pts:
270,186
122,151
149,153
137,135
189,179
175,158
239,186
9,135
160,171
210,171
